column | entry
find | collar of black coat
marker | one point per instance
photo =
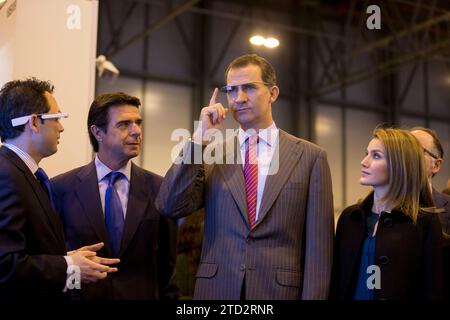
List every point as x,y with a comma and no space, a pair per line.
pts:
364,208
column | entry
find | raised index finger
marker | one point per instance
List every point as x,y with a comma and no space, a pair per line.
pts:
214,97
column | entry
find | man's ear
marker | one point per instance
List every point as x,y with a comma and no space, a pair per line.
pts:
437,166
274,93
34,124
97,132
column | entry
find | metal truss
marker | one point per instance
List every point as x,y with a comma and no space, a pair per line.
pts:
341,50
411,32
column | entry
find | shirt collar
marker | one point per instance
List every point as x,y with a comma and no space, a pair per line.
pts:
103,169
29,161
267,135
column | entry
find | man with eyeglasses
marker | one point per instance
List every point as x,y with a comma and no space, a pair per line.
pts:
34,262
434,156
268,230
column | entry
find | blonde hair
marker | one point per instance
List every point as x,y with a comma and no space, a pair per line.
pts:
408,184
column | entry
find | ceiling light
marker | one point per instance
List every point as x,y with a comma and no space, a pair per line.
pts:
267,42
271,43
257,40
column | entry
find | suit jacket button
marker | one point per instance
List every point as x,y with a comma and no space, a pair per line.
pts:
242,267
383,259
388,222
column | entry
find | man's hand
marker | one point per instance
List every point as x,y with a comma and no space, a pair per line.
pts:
91,266
211,117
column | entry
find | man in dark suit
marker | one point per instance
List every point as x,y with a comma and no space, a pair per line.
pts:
268,230
112,200
34,262
434,156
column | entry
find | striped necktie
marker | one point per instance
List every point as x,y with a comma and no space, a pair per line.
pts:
251,178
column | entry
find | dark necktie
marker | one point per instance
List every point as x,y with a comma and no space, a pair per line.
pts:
45,182
113,214
251,178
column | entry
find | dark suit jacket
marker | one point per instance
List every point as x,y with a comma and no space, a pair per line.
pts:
409,255
288,254
442,200
148,245
31,235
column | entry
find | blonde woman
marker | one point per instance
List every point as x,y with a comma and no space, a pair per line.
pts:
389,245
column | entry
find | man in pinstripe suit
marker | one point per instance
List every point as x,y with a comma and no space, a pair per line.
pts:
268,230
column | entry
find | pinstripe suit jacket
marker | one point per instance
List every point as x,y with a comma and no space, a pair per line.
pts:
288,254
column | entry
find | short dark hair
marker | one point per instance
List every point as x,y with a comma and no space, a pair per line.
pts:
267,70
20,98
436,142
98,112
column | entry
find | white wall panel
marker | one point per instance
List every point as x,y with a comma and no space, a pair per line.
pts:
56,41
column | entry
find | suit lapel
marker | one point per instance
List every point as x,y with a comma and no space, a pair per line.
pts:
288,153
233,174
49,211
138,201
88,195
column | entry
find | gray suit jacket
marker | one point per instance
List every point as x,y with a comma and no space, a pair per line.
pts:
288,254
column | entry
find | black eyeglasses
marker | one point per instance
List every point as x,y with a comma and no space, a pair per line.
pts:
431,154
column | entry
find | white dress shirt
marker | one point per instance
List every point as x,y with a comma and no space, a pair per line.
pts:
268,141
29,161
122,185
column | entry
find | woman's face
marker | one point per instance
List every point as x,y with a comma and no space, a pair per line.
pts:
374,170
